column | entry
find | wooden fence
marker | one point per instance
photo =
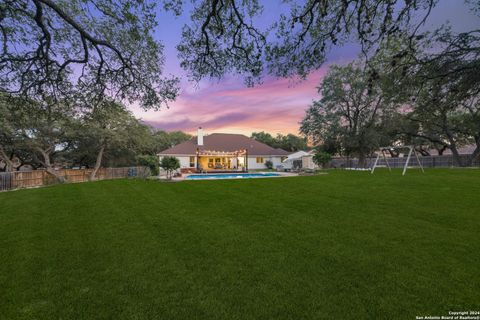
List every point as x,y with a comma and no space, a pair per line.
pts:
37,178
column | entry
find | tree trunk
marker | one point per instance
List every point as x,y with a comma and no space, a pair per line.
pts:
422,151
8,162
48,165
456,155
441,150
473,156
362,160
393,153
98,163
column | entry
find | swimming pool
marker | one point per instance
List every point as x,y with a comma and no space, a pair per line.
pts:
230,176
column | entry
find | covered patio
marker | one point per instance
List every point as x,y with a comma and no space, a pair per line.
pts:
222,161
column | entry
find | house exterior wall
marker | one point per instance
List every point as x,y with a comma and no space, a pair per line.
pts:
184,160
277,161
252,161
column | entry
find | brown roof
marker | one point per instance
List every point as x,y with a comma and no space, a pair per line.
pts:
225,142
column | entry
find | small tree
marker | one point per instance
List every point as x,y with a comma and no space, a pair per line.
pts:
322,158
149,161
108,126
269,164
169,164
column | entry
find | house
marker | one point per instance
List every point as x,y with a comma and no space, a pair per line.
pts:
223,152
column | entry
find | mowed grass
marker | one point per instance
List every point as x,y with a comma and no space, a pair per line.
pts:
346,245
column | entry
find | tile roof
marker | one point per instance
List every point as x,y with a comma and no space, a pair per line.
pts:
225,142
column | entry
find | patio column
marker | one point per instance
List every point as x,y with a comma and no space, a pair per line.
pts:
197,164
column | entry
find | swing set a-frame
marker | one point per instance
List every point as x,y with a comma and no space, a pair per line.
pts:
411,149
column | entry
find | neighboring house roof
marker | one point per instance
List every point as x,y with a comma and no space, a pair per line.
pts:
225,142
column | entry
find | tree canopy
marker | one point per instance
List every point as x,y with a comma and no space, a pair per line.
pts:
107,47
52,134
441,87
102,47
351,112
289,142
225,35
431,83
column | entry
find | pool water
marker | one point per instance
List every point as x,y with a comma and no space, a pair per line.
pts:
229,176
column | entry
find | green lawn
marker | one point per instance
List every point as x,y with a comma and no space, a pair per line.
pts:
347,245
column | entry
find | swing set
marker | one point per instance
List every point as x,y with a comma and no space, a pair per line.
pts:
411,149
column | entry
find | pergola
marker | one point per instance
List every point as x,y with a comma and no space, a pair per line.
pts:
229,154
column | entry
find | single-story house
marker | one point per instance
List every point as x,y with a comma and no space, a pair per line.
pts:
223,152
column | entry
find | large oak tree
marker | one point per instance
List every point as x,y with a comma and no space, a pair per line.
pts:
103,47
352,112
225,35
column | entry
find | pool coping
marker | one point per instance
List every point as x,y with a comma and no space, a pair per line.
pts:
280,175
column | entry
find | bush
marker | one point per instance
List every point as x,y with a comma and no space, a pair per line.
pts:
269,164
169,164
322,158
149,161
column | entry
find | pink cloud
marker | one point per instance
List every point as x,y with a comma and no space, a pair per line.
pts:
276,106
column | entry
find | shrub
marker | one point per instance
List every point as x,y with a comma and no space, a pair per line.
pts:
322,158
269,164
169,164
149,161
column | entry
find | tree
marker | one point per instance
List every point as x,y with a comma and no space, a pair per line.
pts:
449,86
321,158
222,36
265,137
177,137
45,129
37,134
350,112
10,139
440,89
289,142
330,144
110,127
111,42
101,46
162,140
269,164
149,161
170,165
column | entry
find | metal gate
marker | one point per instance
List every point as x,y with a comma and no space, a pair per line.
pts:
6,181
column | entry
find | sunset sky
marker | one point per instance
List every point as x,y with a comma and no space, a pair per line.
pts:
276,106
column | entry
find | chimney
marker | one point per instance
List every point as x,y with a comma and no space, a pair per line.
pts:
200,136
